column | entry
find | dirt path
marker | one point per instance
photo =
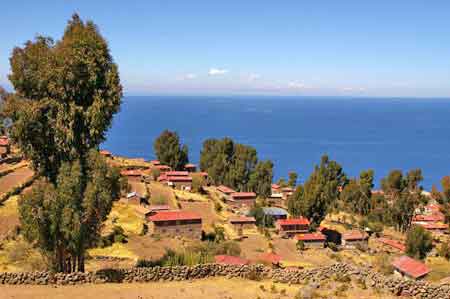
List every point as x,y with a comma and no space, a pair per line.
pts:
15,178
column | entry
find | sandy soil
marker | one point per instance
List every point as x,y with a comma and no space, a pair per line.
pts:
218,288
205,209
148,248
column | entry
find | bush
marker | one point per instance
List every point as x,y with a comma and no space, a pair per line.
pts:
228,248
158,200
333,246
300,245
218,207
144,229
444,250
383,264
418,242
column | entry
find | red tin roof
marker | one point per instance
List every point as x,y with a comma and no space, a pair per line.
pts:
354,235
270,257
311,237
243,195
230,260
294,221
174,215
410,267
435,217
225,189
131,172
243,219
177,173
393,243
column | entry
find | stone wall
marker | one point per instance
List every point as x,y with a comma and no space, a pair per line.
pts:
417,289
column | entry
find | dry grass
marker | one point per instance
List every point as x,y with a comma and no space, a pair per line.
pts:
19,256
139,187
440,268
147,247
115,250
206,211
157,190
125,216
14,179
9,216
191,196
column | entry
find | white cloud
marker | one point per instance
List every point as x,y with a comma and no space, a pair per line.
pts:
253,77
190,76
296,85
217,72
353,89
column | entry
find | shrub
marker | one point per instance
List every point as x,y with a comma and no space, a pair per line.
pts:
228,248
418,242
300,245
383,264
333,246
144,229
444,250
218,207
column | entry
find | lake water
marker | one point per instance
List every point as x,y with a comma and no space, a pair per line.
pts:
294,132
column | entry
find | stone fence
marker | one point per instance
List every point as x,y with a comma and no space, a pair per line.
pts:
397,286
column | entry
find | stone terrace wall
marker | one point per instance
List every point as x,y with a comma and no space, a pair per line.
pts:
418,289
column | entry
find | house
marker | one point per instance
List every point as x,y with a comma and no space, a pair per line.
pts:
5,146
176,224
132,174
180,182
177,173
162,168
392,245
434,217
287,192
312,240
155,162
242,199
190,167
142,211
133,198
353,238
405,266
106,154
270,258
275,213
243,222
157,208
434,227
230,260
276,189
225,191
292,226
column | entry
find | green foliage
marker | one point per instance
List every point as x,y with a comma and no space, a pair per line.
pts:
169,151
218,207
403,209
65,219
418,242
228,248
198,182
262,220
260,180
320,191
292,182
66,93
444,250
296,203
229,163
300,245
332,246
445,183
158,200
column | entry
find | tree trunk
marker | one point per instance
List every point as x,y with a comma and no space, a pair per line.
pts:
81,262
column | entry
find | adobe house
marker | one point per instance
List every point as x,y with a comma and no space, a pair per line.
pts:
390,245
276,189
243,223
190,167
312,240
157,208
106,154
287,192
353,238
162,168
177,179
434,228
225,191
176,224
292,226
409,268
5,146
132,174
242,199
155,162
133,198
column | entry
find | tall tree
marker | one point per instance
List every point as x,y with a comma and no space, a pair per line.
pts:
260,180
292,182
66,93
169,151
321,190
403,209
418,242
445,183
65,219
393,184
357,194
413,179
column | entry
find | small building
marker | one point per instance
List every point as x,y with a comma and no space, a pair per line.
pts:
162,168
190,167
392,245
157,208
5,146
405,266
433,227
353,238
132,174
142,211
177,173
312,240
176,224
434,217
293,226
155,162
276,189
180,182
225,191
243,222
106,154
287,192
133,198
270,258
230,260
275,213
242,199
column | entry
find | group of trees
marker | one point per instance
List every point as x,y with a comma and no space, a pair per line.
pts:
169,150
66,93
237,166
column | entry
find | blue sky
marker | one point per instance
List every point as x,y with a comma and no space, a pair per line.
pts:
354,47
